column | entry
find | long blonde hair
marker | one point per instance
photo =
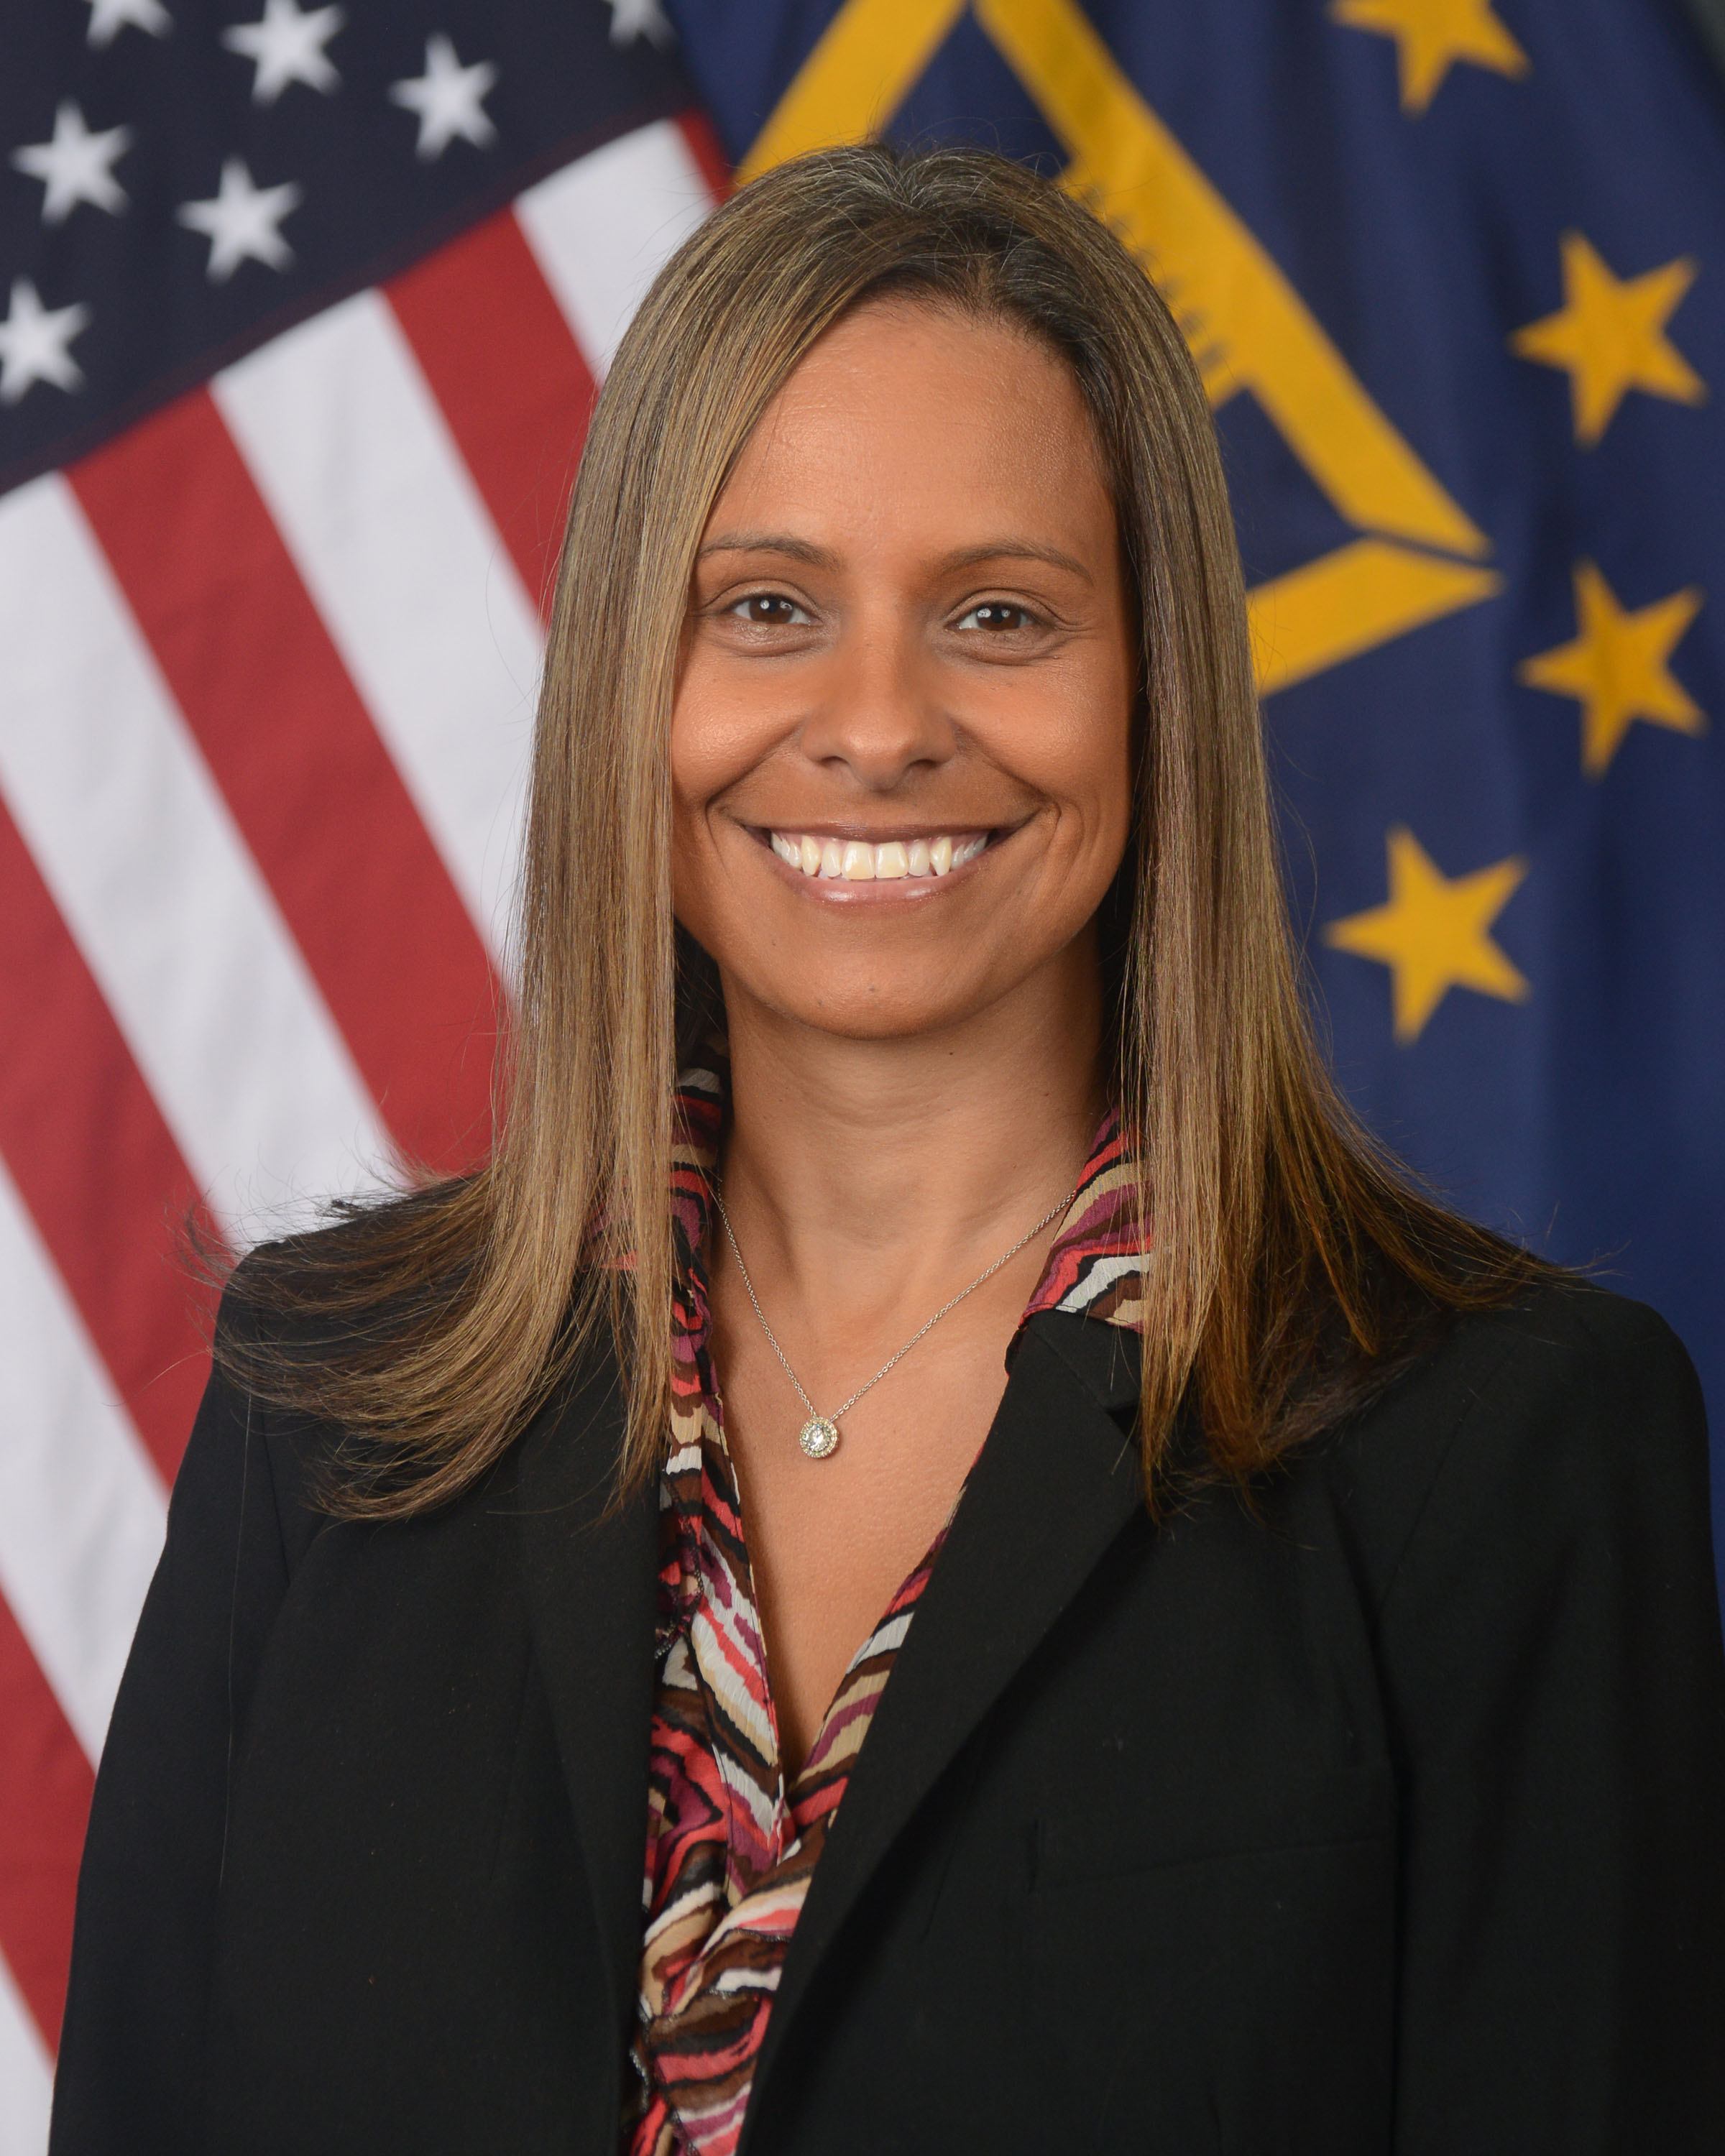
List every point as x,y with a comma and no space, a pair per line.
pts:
1295,1267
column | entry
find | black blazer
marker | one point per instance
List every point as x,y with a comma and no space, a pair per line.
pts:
1391,1820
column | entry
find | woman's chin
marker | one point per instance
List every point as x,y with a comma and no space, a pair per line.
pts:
866,1008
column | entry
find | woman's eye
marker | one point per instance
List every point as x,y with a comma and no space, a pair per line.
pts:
769,610
997,614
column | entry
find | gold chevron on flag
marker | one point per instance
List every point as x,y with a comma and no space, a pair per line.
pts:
1247,325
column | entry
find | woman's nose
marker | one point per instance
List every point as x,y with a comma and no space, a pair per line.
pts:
881,715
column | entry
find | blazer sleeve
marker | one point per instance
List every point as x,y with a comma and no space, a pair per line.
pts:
130,2071
1551,1645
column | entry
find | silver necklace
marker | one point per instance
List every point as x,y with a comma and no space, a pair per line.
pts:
818,1436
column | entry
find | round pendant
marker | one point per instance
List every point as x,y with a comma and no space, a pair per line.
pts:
819,1437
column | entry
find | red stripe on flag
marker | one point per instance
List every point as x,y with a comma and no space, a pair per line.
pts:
305,772
703,148
94,1161
511,380
46,1787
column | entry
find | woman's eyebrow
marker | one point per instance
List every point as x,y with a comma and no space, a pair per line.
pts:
821,557
769,543
1016,550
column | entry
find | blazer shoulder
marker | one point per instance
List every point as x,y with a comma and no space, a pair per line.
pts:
1570,1399
1569,1345
1574,1315
296,1451
271,1336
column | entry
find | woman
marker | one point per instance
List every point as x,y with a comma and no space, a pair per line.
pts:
1114,1621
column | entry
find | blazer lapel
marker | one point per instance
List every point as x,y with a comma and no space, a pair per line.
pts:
590,1569
1056,1482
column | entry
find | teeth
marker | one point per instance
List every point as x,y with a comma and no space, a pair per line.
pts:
856,861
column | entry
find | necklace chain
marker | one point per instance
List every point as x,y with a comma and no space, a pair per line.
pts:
820,1436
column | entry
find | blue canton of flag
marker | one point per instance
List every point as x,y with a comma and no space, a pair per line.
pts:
185,179
1454,271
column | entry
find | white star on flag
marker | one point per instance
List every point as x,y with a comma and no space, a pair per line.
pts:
286,46
242,221
33,341
447,99
76,167
109,18
633,19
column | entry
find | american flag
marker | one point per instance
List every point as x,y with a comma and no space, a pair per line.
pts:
303,309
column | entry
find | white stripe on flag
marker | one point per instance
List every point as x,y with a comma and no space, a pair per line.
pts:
602,228
82,1511
26,2077
156,885
349,449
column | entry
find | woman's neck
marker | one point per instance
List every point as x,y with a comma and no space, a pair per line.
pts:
873,1172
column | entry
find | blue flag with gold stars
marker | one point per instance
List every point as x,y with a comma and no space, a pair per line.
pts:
1454,271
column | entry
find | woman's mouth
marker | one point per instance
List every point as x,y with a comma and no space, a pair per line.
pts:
885,861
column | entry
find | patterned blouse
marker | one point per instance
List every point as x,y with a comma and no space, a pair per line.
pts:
731,1848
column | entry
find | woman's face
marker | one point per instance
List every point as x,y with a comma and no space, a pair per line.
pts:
901,739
